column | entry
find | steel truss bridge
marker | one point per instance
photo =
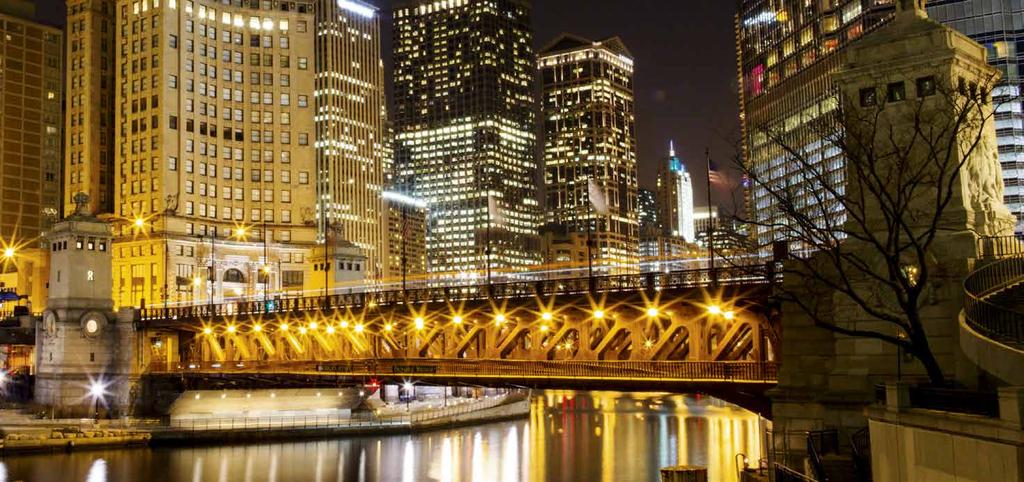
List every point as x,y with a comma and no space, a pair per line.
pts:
683,330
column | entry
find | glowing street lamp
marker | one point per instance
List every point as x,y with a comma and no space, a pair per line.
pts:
284,326
9,252
140,223
546,316
359,328
500,318
652,312
96,390
598,314
257,328
419,322
729,315
231,328
387,327
207,330
313,325
457,320
714,310
330,330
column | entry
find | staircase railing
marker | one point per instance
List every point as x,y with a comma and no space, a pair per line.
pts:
1004,269
820,443
860,446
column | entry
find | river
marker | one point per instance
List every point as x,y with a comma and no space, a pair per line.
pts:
569,436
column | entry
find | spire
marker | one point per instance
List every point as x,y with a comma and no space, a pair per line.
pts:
671,148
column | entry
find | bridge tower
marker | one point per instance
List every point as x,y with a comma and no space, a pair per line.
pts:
897,84
84,350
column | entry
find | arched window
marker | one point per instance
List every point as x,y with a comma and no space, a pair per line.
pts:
233,276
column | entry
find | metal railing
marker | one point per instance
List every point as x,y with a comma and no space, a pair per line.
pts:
1000,246
319,422
819,444
713,371
983,312
732,275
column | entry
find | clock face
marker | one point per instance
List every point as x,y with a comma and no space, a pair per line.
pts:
92,323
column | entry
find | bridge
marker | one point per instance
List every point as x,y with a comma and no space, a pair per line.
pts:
699,330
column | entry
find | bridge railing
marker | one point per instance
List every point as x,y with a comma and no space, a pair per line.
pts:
714,371
730,275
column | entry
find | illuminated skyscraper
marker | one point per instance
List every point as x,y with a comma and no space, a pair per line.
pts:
89,120
788,50
464,128
675,198
216,165
648,206
350,126
31,57
590,143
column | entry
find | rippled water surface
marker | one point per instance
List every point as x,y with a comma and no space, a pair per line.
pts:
597,436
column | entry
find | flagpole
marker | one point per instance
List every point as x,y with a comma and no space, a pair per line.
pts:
711,223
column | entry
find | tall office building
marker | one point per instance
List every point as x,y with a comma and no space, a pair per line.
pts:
89,118
788,50
31,55
675,198
464,129
647,204
590,143
350,128
215,157
1000,28
30,145
407,236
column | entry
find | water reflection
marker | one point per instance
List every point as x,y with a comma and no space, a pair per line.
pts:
599,436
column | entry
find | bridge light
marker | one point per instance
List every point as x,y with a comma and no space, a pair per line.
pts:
231,328
240,232
344,324
284,326
302,330
648,343
419,322
313,325
330,330
715,310
96,389
546,316
359,328
9,253
544,328
207,330
387,327
652,312
598,314
197,281
457,320
729,315
257,328
500,318
407,386
139,222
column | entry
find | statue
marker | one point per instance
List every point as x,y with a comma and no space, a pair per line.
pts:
81,200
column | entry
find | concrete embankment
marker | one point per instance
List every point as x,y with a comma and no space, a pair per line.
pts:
71,438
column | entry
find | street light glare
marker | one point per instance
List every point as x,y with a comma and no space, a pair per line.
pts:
207,330
359,328
96,389
652,312
715,310
139,222
729,315
8,252
546,316
419,322
500,318
457,320
257,328
599,314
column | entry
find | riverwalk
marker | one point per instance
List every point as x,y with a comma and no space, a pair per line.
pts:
22,434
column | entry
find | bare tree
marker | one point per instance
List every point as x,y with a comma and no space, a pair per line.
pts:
871,186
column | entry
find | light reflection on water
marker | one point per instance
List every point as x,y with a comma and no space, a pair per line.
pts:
598,436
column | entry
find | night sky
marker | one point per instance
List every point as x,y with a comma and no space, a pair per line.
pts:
685,70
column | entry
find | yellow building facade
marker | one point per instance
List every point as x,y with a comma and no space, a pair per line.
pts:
215,134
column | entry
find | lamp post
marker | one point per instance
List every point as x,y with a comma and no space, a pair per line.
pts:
96,391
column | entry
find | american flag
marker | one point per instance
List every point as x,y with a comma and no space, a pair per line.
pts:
715,176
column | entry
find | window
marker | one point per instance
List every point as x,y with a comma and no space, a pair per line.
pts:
926,86
303,139
303,63
303,177
868,97
303,101
896,92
